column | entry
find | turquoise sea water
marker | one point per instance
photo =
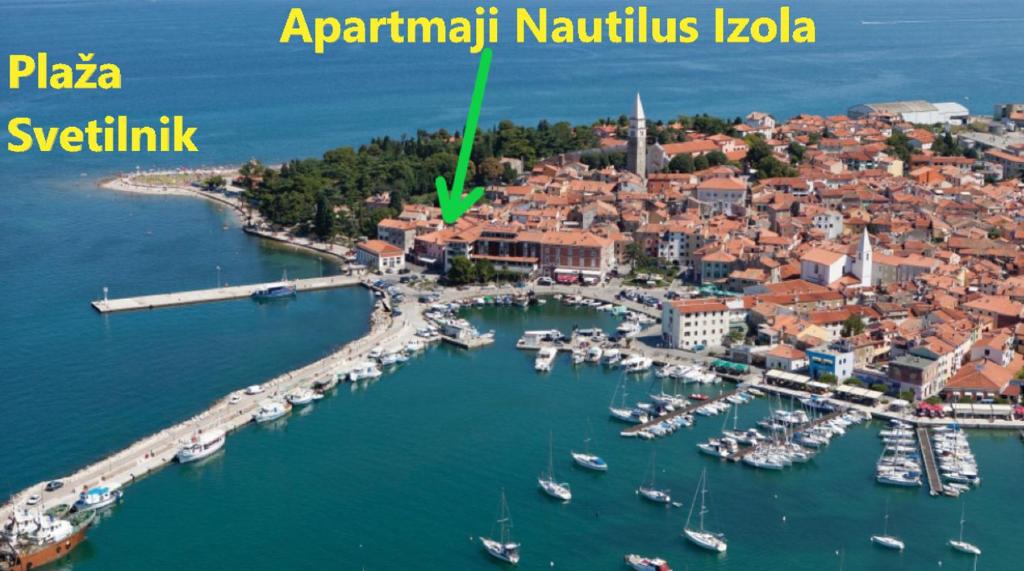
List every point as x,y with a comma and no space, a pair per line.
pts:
410,468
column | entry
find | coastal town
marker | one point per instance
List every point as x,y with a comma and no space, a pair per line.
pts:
858,266
876,262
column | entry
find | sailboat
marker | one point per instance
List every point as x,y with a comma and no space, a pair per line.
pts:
503,548
886,540
547,482
703,538
586,459
652,493
622,412
959,544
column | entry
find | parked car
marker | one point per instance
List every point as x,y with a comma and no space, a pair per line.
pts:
54,485
545,281
33,500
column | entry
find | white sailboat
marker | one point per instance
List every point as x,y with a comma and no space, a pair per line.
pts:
959,544
587,460
886,540
650,491
503,548
706,539
547,482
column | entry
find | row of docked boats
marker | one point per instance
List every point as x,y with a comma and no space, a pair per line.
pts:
957,465
900,462
688,374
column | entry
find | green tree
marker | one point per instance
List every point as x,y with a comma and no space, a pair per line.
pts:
485,271
853,382
716,158
898,144
462,271
879,387
324,222
215,182
828,378
907,395
853,325
682,162
796,151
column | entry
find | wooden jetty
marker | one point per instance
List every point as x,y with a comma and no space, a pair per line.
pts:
930,467
685,410
214,294
805,426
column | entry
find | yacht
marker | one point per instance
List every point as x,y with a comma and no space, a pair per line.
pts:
611,357
641,563
300,397
886,540
587,460
362,371
201,445
503,548
413,346
629,328
547,482
545,359
959,544
578,356
637,364
275,290
271,410
650,492
706,539
97,498
898,477
719,447
594,354
623,412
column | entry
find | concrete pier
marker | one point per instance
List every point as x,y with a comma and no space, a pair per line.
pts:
685,410
215,294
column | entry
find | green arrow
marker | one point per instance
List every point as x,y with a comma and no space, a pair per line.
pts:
454,204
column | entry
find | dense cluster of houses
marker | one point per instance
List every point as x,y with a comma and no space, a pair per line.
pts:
858,267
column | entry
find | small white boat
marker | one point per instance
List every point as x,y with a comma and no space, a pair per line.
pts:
611,357
545,359
201,445
547,482
271,410
578,356
589,461
594,354
959,544
503,548
97,499
363,371
699,536
650,491
641,563
413,346
301,397
886,540
636,364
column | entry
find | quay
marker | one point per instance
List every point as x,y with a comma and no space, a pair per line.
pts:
805,426
214,294
685,410
930,467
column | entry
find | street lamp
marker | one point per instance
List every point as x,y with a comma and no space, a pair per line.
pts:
218,276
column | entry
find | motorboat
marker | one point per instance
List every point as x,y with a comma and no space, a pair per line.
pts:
503,548
719,447
641,563
698,535
594,354
301,397
363,371
637,364
545,359
578,356
271,410
97,498
611,357
202,445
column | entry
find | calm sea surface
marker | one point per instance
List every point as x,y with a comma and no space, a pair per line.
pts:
404,473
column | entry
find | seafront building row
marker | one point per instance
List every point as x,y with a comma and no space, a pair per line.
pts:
893,268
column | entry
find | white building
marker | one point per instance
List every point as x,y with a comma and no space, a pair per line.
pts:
830,222
822,267
687,324
380,256
919,112
723,195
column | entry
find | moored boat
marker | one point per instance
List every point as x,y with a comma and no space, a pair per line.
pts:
271,410
641,563
30,539
699,536
503,548
201,445
97,498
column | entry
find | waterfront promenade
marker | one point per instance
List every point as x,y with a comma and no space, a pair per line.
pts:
214,294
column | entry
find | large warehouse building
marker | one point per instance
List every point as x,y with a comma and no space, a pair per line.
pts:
920,112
